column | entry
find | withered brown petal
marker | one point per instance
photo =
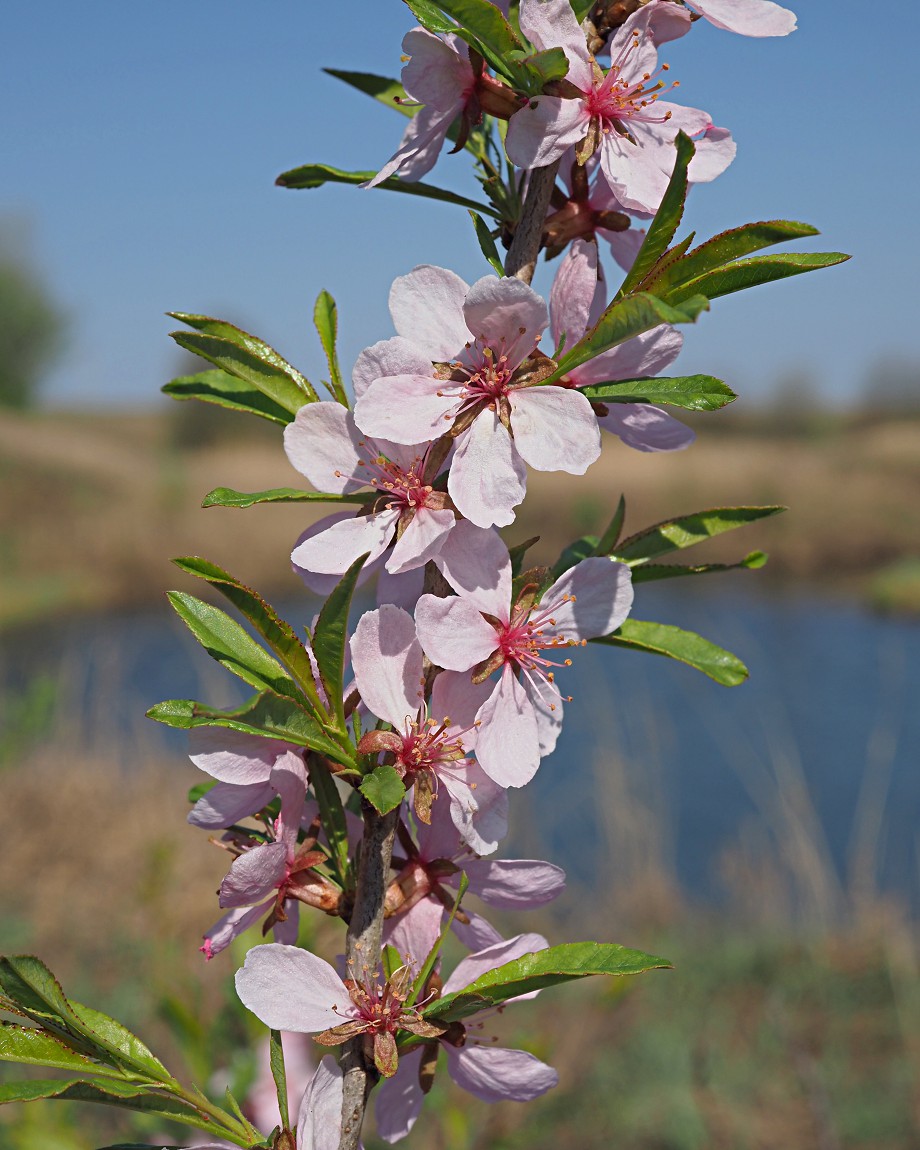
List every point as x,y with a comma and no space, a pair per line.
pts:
336,1035
386,1057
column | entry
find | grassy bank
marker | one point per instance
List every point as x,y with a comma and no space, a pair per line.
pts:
95,504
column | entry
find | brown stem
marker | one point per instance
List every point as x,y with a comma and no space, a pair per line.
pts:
522,256
362,953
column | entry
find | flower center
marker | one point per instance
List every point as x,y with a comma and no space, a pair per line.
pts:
616,99
522,641
402,487
427,744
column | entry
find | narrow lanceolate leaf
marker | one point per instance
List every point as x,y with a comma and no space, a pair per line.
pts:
110,1092
536,971
483,25
32,988
225,390
667,219
280,636
326,319
387,91
233,647
332,814
691,392
581,8
34,1047
429,17
582,548
611,536
276,1060
624,319
543,67
487,244
731,245
751,273
257,348
227,497
688,530
329,636
315,175
383,788
267,715
684,646
652,571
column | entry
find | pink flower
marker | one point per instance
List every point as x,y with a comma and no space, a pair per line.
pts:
319,1118
428,745
747,17
577,299
473,1061
242,765
324,444
423,891
620,114
481,629
467,357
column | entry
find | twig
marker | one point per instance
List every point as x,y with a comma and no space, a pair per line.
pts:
522,256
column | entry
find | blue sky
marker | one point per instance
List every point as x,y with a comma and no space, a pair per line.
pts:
141,143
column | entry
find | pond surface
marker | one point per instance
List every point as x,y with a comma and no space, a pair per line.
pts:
813,762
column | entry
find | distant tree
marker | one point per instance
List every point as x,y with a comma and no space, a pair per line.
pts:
893,385
31,332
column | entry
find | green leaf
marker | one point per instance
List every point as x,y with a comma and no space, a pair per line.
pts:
30,985
582,548
750,273
732,245
483,26
315,175
581,8
691,392
654,571
517,553
263,353
667,219
383,788
266,715
684,646
325,317
329,636
544,67
276,1061
279,635
34,1047
487,244
227,497
624,319
381,88
227,391
332,814
232,646
611,536
111,1092
688,530
429,17
543,968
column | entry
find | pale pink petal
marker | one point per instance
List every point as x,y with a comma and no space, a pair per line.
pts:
714,152
254,875
286,931
624,246
292,989
427,308
227,803
419,147
323,444
488,477
403,590
422,539
478,806
680,118
399,1099
636,174
508,748
453,633
747,17
414,932
405,408
542,130
234,757
476,934
497,1075
476,563
474,965
289,778
387,661
319,1117
555,429
647,428
668,22
231,926
455,700
515,884
506,315
332,552
553,24
548,709
325,584
637,55
573,292
435,74
643,355
394,356
590,599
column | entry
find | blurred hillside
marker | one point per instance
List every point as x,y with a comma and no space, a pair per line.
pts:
95,503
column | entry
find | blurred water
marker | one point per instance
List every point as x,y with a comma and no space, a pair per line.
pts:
831,702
